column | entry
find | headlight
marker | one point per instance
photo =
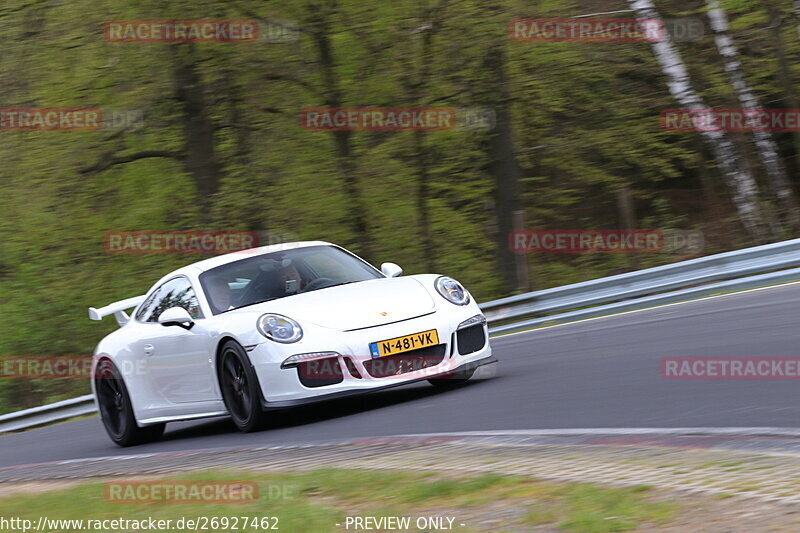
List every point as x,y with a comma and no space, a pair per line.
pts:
279,328
451,290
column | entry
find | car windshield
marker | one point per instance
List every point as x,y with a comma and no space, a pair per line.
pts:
279,274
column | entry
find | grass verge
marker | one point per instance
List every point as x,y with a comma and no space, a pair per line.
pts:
317,501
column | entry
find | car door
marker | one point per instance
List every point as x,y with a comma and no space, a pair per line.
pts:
178,361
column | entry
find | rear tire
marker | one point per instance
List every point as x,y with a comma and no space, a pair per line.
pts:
459,377
240,389
116,409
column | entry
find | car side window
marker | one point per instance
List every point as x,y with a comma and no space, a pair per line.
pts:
147,307
176,292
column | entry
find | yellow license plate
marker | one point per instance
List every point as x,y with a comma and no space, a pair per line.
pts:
405,343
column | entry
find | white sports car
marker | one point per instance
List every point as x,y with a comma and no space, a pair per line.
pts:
275,327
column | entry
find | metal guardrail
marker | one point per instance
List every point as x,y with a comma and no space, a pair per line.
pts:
731,271
45,414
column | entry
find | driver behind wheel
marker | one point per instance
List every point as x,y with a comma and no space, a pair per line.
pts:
291,280
220,294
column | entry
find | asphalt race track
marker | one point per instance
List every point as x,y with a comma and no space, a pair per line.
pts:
601,373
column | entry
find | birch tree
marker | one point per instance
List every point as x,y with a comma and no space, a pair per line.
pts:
766,147
742,186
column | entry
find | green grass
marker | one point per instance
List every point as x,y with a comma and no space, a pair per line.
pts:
598,510
316,501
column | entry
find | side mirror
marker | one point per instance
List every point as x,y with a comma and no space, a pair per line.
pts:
391,270
176,316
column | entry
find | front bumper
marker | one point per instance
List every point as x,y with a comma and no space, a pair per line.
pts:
281,404
282,387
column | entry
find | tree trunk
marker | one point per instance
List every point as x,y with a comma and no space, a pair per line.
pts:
741,184
628,218
423,191
421,152
199,160
796,12
503,165
784,72
519,221
788,211
355,214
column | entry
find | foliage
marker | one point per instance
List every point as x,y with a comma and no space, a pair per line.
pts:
585,122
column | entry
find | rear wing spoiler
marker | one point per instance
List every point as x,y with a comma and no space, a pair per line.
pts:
117,309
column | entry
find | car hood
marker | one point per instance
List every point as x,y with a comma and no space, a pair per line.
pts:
358,305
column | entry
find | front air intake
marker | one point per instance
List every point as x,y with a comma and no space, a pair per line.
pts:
471,339
320,372
403,363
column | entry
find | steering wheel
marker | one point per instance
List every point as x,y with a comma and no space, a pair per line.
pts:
316,284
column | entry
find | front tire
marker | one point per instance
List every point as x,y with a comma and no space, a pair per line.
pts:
240,389
116,409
